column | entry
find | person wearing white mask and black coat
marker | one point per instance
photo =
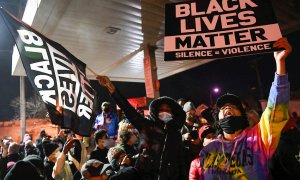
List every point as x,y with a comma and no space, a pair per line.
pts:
160,137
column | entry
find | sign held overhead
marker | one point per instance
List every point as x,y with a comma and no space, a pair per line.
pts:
210,29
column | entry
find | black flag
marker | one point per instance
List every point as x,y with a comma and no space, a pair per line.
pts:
57,75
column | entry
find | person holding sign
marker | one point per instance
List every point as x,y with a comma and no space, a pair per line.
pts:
241,152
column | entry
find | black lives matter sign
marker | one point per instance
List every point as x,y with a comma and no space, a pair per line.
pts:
209,29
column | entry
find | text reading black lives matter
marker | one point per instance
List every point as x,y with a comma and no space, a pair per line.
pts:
219,28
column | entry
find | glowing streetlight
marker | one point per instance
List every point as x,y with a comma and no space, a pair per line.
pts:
215,90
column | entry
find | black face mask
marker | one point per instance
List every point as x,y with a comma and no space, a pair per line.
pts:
231,124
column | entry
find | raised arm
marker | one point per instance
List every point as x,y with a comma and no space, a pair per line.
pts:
276,113
60,162
133,116
284,50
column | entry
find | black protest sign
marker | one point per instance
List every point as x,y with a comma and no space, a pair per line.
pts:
209,29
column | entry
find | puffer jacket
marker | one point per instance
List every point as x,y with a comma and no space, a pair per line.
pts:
162,142
195,170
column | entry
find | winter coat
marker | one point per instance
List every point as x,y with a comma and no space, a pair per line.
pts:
99,154
161,141
195,170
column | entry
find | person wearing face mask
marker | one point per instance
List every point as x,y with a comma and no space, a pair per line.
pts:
108,120
241,152
102,144
51,151
160,137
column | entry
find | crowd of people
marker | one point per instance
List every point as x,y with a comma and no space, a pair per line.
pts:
227,141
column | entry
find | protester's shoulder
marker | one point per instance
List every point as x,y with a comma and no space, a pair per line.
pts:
214,144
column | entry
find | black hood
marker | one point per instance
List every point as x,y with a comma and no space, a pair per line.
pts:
177,111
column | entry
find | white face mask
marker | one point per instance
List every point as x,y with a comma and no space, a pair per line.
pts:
165,116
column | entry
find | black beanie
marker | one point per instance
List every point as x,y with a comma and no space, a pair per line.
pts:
31,167
49,147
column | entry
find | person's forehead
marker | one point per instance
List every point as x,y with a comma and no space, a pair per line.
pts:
228,104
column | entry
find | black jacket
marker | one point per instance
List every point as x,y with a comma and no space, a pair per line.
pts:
285,163
162,142
99,154
48,169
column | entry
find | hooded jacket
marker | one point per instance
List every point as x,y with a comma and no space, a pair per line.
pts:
162,142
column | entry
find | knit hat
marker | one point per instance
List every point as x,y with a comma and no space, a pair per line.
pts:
29,168
114,153
36,161
205,130
94,168
188,106
49,147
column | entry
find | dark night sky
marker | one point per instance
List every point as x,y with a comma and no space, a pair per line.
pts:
231,75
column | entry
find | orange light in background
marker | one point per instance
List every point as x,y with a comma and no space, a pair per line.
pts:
138,102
